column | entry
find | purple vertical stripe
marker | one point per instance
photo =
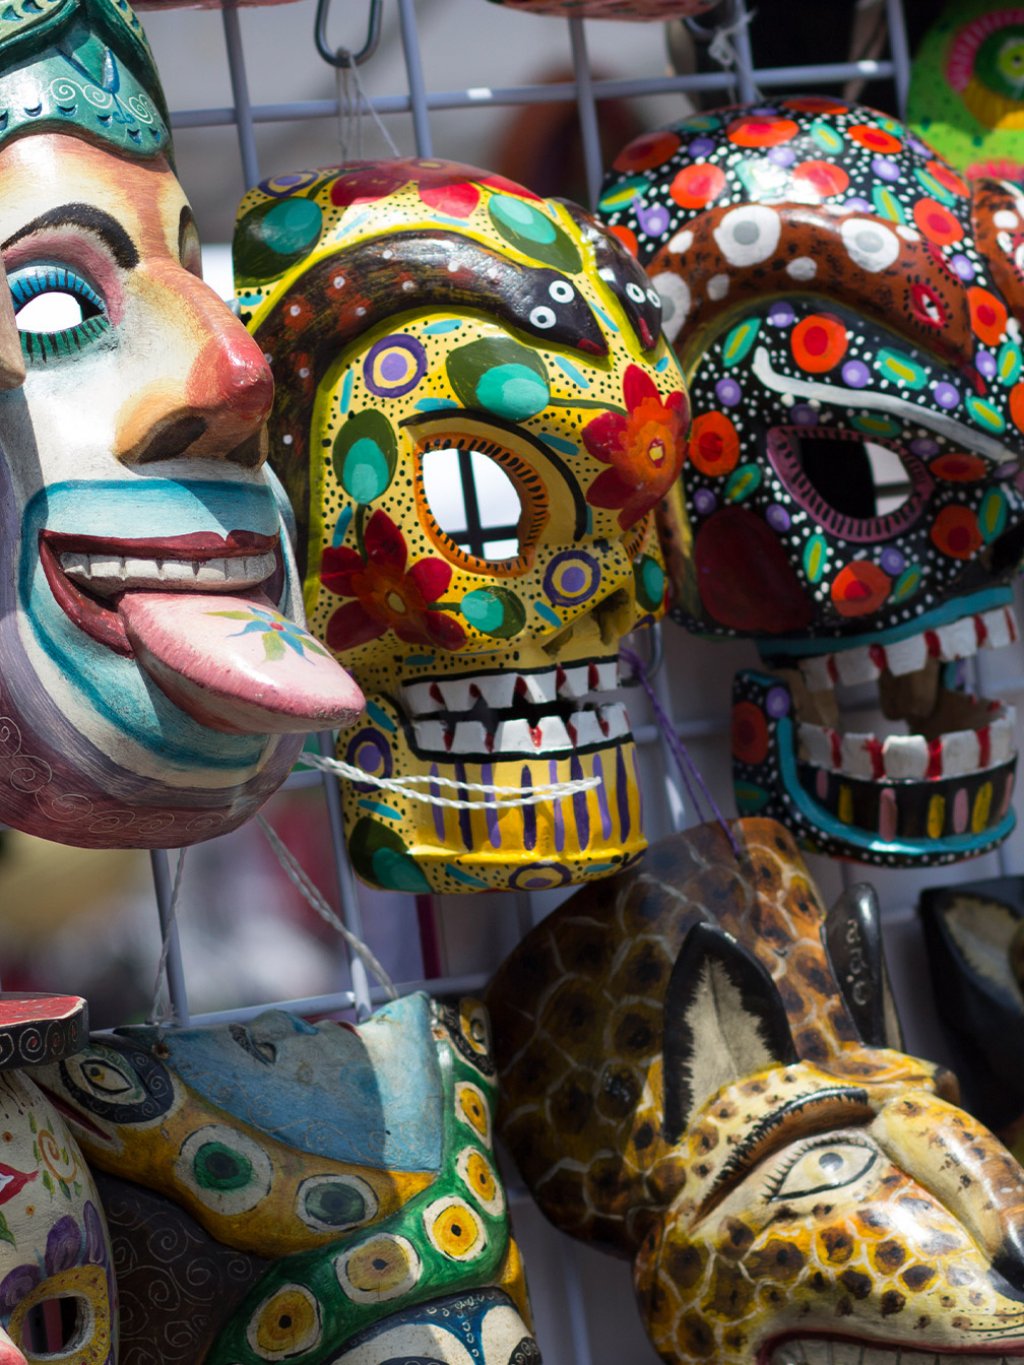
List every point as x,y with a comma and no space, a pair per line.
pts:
639,790
465,817
602,799
529,813
556,807
436,811
622,794
493,832
579,805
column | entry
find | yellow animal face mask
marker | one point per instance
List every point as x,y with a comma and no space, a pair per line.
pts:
476,415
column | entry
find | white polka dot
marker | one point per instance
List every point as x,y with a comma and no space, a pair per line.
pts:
718,287
869,244
1005,219
675,302
803,268
681,242
338,281
908,234
748,235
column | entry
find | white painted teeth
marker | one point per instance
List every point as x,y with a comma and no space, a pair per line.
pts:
912,758
958,640
106,574
808,1351
470,715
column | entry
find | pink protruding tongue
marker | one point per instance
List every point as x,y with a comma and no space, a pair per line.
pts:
236,664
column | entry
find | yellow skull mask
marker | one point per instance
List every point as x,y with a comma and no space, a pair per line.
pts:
475,417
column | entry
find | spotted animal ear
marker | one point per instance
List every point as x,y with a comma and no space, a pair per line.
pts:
853,939
724,1020
12,363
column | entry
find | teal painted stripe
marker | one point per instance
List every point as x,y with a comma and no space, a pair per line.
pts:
559,443
576,375
551,616
466,878
604,317
418,659
435,404
439,328
346,393
662,364
378,808
951,611
379,717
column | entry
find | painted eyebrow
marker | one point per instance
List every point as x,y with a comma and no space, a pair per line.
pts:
92,219
824,1109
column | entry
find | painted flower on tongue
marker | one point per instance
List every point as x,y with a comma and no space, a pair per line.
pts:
278,632
643,445
12,1182
388,595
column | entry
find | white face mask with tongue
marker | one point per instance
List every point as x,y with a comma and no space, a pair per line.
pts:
155,677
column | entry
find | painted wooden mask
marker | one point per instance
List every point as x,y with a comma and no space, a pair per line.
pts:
966,95
697,1072
438,333
147,675
849,316
317,1194
57,1296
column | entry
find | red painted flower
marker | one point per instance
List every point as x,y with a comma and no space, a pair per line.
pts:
644,446
445,186
388,595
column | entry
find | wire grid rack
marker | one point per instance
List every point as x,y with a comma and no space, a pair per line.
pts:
583,1301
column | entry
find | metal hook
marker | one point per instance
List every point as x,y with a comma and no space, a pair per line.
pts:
343,57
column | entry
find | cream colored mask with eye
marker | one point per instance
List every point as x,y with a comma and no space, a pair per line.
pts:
476,415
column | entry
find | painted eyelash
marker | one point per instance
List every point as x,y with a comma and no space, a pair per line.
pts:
42,279
777,1179
41,347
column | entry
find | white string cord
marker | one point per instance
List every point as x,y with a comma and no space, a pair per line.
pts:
498,797
158,1014
299,878
353,106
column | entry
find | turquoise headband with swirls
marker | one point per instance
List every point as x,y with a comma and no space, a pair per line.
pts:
83,67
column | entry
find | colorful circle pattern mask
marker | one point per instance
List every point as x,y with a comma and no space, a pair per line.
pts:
847,312
446,344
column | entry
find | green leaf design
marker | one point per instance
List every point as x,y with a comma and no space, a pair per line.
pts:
48,1181
233,615
273,646
6,1235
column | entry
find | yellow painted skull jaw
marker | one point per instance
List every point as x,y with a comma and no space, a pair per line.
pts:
530,345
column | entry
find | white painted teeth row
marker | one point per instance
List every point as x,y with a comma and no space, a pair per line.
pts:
853,1353
959,640
589,726
910,757
108,573
500,691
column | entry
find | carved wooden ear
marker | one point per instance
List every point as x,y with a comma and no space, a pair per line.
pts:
12,362
853,939
724,1020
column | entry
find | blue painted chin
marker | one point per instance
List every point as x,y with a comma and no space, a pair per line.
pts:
111,686
892,823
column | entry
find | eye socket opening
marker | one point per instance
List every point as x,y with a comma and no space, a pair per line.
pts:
56,310
859,488
54,1327
481,502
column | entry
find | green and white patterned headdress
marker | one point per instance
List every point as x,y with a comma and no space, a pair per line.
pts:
83,67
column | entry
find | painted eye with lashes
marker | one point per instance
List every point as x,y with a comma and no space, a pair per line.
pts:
58,312
817,1168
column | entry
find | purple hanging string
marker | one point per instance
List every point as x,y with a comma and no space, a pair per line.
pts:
693,781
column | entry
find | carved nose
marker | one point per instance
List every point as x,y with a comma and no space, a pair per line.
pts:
968,1170
212,403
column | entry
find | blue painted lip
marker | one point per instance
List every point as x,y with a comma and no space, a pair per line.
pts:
1001,596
